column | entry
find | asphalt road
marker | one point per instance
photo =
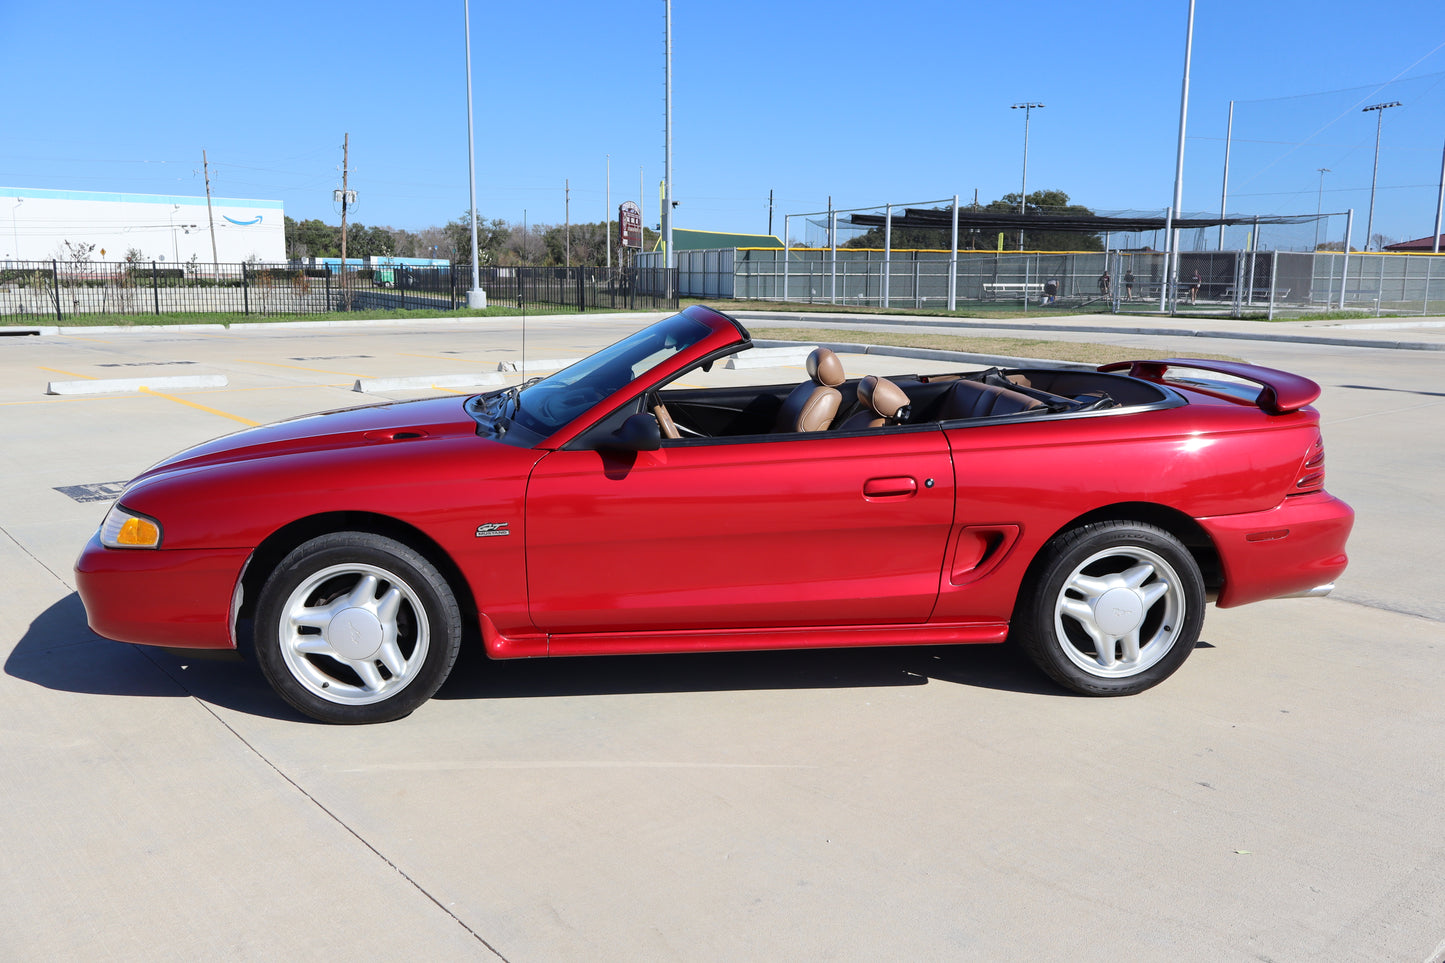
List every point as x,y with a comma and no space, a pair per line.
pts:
1278,799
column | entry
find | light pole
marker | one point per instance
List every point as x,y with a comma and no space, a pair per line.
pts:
1171,239
1379,122
15,233
1319,203
476,297
1027,108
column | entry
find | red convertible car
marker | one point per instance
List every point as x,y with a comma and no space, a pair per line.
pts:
623,505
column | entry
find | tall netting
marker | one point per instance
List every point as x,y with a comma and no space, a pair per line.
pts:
1251,231
1279,146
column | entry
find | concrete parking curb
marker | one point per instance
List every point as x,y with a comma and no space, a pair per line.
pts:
545,364
776,353
934,354
102,386
427,381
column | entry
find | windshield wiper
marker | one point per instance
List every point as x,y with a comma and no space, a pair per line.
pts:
502,421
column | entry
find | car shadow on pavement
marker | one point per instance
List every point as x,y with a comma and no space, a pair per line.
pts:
59,651
986,666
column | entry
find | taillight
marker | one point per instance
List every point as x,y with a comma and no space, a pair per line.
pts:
1312,472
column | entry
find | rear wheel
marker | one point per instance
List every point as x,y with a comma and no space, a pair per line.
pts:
1115,608
355,628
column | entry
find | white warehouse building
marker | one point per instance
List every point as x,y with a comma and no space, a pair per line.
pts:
36,224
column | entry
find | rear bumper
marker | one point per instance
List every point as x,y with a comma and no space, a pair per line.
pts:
1295,549
171,598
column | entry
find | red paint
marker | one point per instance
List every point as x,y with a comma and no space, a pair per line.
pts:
885,537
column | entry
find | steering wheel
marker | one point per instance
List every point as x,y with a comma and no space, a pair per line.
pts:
664,420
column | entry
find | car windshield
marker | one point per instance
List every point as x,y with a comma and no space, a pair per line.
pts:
541,407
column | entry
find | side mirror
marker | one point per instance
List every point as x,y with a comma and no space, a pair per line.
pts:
638,433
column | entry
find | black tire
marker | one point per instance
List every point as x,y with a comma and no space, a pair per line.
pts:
1112,609
356,628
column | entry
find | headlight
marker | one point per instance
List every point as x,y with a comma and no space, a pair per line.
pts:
123,529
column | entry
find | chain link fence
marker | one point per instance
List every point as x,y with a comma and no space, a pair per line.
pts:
1221,283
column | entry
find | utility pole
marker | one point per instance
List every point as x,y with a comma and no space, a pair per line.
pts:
608,202
215,260
345,155
1379,124
567,207
770,213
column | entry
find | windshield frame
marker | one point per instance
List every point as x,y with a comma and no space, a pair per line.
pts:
550,411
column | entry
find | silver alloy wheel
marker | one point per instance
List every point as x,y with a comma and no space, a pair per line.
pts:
1119,612
354,634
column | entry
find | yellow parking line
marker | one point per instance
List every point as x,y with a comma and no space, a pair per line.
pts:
192,404
71,374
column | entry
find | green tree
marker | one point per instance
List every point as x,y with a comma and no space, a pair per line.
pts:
491,240
974,239
1049,202
314,238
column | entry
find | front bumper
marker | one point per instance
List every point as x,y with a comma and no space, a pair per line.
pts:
1295,549
172,598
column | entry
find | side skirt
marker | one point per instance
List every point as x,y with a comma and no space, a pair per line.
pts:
738,640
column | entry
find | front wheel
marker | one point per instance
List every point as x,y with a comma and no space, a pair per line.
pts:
1114,609
356,628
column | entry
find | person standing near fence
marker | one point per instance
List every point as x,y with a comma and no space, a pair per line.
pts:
1194,283
1104,283
1051,290
1129,284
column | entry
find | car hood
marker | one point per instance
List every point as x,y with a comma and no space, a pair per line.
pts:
345,428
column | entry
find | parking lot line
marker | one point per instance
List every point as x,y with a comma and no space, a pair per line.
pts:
198,407
68,374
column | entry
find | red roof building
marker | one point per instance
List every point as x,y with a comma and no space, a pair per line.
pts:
1422,244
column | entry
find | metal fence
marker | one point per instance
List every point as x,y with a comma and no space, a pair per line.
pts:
63,290
1232,283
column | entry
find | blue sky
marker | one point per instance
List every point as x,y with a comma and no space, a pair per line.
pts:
869,102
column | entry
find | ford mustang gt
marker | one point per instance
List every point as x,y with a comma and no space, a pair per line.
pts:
631,503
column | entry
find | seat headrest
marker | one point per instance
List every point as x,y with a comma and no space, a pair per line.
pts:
825,368
883,396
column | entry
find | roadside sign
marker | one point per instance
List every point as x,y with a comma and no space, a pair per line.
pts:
629,224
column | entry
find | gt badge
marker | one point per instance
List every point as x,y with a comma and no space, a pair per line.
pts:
492,529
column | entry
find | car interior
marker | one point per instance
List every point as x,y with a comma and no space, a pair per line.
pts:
828,401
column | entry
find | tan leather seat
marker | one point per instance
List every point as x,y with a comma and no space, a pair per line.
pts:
973,399
813,403
884,403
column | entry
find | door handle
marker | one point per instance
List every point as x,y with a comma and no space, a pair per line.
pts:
898,486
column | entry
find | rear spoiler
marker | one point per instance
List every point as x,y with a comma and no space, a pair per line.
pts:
1280,391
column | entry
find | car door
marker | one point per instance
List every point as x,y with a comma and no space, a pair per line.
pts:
808,530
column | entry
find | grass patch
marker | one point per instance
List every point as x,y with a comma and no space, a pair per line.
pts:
1316,316
1079,352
